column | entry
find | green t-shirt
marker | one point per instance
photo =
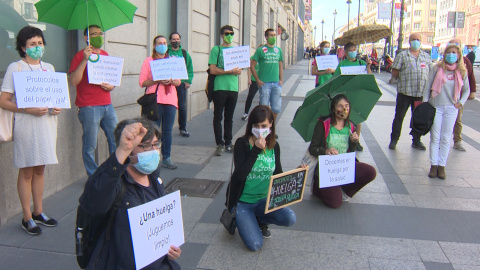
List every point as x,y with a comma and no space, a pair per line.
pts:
227,82
258,180
348,63
268,59
256,69
338,139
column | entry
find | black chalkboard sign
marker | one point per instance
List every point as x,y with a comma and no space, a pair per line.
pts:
286,189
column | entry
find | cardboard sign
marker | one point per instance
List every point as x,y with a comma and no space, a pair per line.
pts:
107,69
169,68
336,170
236,57
286,189
41,89
353,70
155,226
326,61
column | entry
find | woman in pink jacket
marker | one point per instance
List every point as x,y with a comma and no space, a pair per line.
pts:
167,100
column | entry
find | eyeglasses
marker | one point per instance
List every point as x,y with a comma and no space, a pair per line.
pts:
229,34
148,147
96,34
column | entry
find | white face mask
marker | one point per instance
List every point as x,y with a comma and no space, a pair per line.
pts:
260,132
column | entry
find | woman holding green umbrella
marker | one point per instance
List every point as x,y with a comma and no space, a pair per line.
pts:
332,136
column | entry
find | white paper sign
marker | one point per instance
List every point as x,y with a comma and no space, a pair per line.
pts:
326,61
155,226
169,68
41,89
236,57
353,70
108,69
336,170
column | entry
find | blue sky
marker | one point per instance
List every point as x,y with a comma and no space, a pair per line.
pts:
323,9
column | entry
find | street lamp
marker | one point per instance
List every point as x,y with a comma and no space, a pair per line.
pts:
314,36
348,25
358,23
334,15
323,21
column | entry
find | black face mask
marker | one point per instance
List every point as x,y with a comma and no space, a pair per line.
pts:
175,44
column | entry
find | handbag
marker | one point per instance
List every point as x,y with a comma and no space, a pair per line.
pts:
227,218
149,105
311,162
6,125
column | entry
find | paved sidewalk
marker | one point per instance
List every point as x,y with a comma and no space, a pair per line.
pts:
402,220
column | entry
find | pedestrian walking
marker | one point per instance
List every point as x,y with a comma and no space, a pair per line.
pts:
252,91
471,54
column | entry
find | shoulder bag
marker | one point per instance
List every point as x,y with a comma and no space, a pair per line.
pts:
149,105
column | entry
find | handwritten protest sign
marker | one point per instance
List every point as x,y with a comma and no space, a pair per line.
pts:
326,61
336,170
169,68
353,70
286,189
236,57
155,226
107,69
41,89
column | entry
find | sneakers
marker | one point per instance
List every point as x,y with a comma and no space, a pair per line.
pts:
229,148
31,227
168,163
359,147
245,117
219,150
458,146
265,232
44,220
184,133
419,145
392,145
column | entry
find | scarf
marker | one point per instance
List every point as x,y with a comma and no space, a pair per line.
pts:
441,78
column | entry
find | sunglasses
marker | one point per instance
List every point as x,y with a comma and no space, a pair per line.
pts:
229,34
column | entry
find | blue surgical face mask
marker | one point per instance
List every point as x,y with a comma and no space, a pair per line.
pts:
352,55
415,44
326,50
35,52
161,49
451,58
147,161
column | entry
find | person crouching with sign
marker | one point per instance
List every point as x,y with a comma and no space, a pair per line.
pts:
257,158
133,168
332,136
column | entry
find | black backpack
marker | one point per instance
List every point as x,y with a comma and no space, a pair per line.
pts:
210,81
88,229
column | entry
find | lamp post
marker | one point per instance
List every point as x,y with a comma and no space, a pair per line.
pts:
323,21
348,25
400,32
358,19
334,15
314,36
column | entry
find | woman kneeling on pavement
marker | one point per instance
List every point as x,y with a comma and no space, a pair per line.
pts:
447,90
257,157
332,136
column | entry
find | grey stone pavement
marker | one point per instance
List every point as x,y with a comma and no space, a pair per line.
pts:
402,220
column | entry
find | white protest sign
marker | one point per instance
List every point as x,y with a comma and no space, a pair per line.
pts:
169,68
353,70
155,226
336,170
107,69
236,57
326,61
41,89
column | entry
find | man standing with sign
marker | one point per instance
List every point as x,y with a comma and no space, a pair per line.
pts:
175,50
95,109
134,168
225,92
270,76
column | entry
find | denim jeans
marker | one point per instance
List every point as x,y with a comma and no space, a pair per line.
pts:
271,95
182,106
247,225
401,107
167,118
441,134
224,103
93,117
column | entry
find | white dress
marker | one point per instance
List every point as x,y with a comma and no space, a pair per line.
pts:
34,137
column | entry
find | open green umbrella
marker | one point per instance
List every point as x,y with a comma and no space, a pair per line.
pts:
362,91
78,14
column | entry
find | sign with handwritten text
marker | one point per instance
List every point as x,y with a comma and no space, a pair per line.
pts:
353,70
286,189
326,61
107,69
236,57
336,170
41,89
155,226
169,68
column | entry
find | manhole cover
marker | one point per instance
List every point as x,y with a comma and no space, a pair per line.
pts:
202,188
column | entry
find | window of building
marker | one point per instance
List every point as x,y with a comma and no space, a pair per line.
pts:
417,13
430,39
433,12
432,25
418,1
416,25
433,2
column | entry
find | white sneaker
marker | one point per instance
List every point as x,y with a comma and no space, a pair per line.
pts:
458,146
345,197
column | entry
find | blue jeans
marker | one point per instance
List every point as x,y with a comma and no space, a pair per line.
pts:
92,118
182,106
271,95
167,117
247,225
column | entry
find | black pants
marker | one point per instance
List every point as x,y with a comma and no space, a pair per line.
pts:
252,91
403,102
224,103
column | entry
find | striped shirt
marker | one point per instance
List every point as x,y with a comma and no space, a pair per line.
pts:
413,72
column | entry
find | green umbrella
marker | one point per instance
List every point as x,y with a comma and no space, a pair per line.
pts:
362,91
78,14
